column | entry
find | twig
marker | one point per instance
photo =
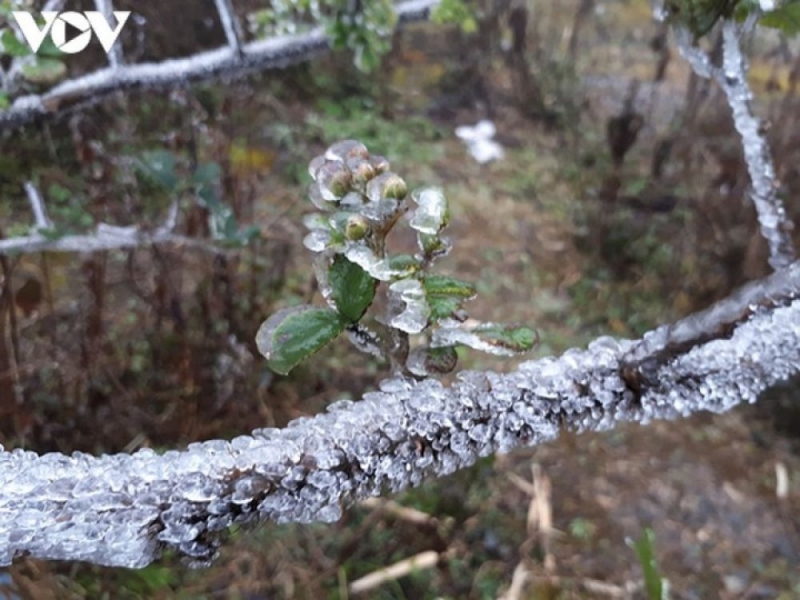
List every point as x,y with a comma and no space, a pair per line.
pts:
105,237
41,220
423,560
776,227
277,52
231,25
115,56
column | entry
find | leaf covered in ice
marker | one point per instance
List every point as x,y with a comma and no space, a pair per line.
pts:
352,288
432,213
415,315
492,338
293,334
446,294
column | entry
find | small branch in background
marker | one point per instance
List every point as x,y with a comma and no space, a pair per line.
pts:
231,25
38,208
105,237
115,56
776,227
418,562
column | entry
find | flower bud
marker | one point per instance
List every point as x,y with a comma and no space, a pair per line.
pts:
356,228
334,180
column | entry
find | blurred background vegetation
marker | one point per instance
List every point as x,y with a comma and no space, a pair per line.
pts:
620,204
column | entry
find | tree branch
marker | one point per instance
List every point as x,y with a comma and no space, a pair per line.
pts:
124,509
106,237
776,227
229,62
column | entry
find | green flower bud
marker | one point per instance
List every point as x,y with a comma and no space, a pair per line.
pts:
356,229
362,170
334,180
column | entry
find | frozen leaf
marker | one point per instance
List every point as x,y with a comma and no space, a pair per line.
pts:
432,245
414,317
491,338
404,265
363,256
427,361
352,289
293,334
432,213
341,151
446,295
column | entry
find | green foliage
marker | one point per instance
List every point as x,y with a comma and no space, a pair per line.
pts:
363,27
785,17
162,168
699,16
352,289
361,201
293,334
456,12
656,587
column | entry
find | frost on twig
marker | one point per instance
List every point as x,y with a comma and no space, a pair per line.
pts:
229,62
125,509
776,228
105,237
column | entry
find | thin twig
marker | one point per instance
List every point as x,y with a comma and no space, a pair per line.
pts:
231,25
115,56
41,220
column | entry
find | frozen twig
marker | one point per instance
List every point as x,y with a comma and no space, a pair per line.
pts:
776,227
231,25
228,62
106,7
41,220
105,237
125,509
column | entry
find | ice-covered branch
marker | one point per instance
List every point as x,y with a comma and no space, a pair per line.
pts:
105,237
228,62
776,227
124,509
106,7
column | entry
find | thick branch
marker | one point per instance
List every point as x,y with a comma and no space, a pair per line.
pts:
124,509
776,228
228,62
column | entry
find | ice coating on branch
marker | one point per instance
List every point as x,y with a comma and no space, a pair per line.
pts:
776,227
124,510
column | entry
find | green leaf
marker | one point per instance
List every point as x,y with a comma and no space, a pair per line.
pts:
446,294
699,16
44,71
514,339
12,46
293,334
352,288
159,165
785,17
645,551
